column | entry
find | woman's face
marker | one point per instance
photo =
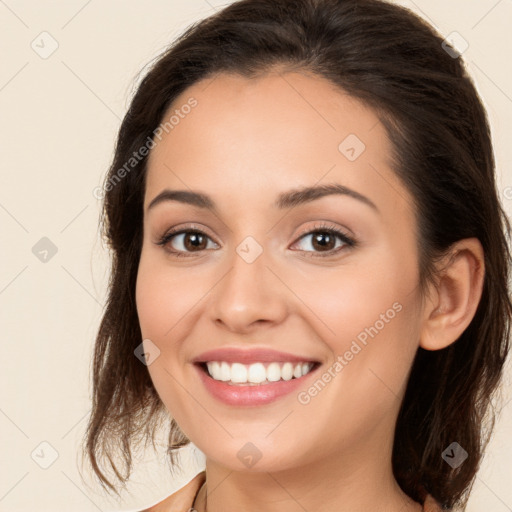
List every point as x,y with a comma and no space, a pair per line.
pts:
265,284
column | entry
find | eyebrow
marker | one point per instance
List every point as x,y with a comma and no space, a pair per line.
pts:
285,200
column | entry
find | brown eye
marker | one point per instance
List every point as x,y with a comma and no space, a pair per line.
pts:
325,241
321,241
180,243
194,241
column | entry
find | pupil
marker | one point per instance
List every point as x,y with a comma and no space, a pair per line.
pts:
193,240
318,239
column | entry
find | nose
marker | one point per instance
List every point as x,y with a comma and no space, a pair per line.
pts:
248,295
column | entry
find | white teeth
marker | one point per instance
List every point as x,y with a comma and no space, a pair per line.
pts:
238,373
273,372
256,373
225,372
287,371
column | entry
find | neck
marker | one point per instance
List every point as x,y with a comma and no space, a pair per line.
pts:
354,482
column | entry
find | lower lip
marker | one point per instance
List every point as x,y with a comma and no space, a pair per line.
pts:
245,395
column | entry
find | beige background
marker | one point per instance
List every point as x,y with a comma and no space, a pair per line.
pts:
58,122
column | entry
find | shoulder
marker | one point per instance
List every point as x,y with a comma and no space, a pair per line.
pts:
182,499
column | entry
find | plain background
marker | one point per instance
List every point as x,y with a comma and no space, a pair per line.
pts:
59,118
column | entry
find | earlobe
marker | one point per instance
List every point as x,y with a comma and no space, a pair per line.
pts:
456,296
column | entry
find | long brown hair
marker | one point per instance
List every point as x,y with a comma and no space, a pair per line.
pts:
397,64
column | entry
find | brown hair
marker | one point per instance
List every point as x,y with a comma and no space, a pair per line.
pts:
394,62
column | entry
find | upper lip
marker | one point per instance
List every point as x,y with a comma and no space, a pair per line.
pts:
248,356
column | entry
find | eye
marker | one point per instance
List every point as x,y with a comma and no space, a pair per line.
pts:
323,238
185,241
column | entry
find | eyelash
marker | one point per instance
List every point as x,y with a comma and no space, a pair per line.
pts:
319,228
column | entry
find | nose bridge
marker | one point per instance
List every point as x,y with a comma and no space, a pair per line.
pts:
249,292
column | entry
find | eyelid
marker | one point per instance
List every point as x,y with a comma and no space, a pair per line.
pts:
325,225
180,228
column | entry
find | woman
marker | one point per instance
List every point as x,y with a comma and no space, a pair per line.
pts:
310,264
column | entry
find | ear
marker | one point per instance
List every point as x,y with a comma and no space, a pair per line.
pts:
454,298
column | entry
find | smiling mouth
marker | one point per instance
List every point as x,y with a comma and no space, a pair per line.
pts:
258,373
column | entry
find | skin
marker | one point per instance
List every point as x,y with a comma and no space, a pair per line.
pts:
244,143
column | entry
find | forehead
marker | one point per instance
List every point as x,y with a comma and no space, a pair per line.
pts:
261,135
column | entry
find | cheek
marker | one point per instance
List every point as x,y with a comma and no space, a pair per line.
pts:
351,299
372,324
163,297
369,315
156,301
162,308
